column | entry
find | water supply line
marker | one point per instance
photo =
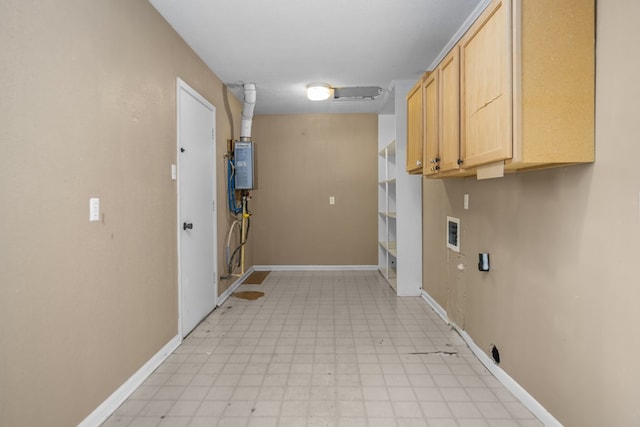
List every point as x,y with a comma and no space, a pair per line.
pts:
228,247
243,230
244,224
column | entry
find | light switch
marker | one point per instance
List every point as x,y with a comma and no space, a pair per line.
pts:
332,200
94,209
466,201
174,172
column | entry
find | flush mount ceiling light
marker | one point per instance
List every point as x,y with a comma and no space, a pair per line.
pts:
318,91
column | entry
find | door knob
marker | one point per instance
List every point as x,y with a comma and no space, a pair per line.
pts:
187,226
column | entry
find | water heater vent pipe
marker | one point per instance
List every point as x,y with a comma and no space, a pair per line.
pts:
247,111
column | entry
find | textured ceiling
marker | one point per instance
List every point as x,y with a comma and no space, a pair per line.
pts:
282,45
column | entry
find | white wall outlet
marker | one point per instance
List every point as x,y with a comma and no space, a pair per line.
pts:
483,261
332,200
94,209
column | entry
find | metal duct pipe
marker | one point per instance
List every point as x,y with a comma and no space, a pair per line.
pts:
247,111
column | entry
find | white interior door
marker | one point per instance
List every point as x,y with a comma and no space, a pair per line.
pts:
196,207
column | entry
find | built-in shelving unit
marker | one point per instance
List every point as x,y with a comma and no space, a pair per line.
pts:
399,200
388,254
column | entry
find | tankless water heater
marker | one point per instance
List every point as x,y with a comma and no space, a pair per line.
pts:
244,165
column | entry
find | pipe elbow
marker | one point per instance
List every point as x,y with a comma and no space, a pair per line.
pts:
247,109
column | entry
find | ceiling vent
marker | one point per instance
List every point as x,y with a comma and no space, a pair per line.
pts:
357,93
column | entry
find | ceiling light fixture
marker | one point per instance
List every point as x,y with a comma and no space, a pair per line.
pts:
318,91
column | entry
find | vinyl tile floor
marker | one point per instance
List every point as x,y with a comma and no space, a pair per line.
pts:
323,348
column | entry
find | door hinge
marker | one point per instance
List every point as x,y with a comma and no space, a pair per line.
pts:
215,277
214,205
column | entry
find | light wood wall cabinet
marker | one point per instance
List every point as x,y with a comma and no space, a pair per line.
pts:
517,92
527,85
487,87
441,112
431,130
449,87
414,129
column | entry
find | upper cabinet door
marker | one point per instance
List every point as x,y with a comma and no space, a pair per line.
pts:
450,111
486,87
431,124
414,129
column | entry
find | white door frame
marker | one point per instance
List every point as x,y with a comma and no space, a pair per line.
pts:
181,85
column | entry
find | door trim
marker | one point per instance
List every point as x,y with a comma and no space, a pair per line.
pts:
181,85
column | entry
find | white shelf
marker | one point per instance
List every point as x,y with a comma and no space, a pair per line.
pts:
390,149
387,213
390,247
387,181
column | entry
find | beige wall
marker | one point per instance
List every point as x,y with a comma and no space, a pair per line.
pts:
88,109
302,160
561,299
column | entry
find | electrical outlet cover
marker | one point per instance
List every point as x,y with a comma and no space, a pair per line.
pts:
453,233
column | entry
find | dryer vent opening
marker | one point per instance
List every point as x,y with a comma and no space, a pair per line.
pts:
495,354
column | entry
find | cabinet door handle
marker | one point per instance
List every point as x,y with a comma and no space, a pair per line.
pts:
418,162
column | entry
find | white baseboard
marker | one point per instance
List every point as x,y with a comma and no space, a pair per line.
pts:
520,393
510,384
436,307
315,267
231,289
108,407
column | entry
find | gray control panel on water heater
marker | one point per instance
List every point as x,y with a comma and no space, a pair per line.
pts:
244,165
